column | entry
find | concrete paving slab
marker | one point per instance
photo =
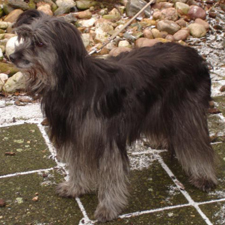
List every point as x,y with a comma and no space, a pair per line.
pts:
196,194
29,173
215,212
220,101
149,189
23,149
31,199
182,216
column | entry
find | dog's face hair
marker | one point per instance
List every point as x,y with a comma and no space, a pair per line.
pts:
42,52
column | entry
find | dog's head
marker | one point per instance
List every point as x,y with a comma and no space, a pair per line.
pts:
50,50
28,16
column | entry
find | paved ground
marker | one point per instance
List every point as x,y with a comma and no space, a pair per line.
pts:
160,193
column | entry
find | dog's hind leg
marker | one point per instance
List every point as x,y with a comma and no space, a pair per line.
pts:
190,140
112,184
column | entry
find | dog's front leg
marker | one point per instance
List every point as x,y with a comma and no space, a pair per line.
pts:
80,178
112,184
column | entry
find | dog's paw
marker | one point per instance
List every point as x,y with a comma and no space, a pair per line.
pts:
66,189
63,190
103,214
203,184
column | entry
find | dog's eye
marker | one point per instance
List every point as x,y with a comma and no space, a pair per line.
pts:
39,44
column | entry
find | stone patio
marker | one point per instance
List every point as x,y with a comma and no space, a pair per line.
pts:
159,191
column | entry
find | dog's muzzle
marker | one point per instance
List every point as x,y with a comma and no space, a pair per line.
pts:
13,57
18,60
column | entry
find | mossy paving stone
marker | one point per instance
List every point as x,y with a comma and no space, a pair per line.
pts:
216,126
221,103
181,216
196,194
215,212
20,209
30,150
149,189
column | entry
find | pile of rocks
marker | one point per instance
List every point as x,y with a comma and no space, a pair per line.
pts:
172,20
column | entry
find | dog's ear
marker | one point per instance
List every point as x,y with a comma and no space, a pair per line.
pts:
23,32
28,17
69,38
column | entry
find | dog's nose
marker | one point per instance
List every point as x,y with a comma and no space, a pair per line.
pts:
12,57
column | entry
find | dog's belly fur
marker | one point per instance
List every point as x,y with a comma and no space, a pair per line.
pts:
96,108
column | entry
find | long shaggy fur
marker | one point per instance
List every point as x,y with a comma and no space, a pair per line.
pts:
97,107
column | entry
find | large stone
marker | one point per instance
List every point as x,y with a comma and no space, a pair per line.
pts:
169,26
86,39
4,25
202,22
100,35
169,37
183,1
162,5
103,27
143,42
113,15
182,8
8,68
1,12
124,43
45,8
10,45
181,35
157,15
12,17
181,22
197,30
18,4
16,82
1,54
3,78
84,14
134,6
116,51
104,24
62,10
88,22
64,6
7,8
169,14
85,4
65,3
148,33
196,12
156,33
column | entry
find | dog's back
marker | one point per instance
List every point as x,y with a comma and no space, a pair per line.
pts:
148,85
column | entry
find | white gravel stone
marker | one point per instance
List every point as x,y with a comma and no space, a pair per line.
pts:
11,44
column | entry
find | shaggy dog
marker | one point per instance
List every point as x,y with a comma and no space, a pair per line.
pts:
97,107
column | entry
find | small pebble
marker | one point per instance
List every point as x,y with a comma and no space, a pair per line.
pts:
35,199
214,111
2,103
212,14
10,153
211,104
2,202
222,89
